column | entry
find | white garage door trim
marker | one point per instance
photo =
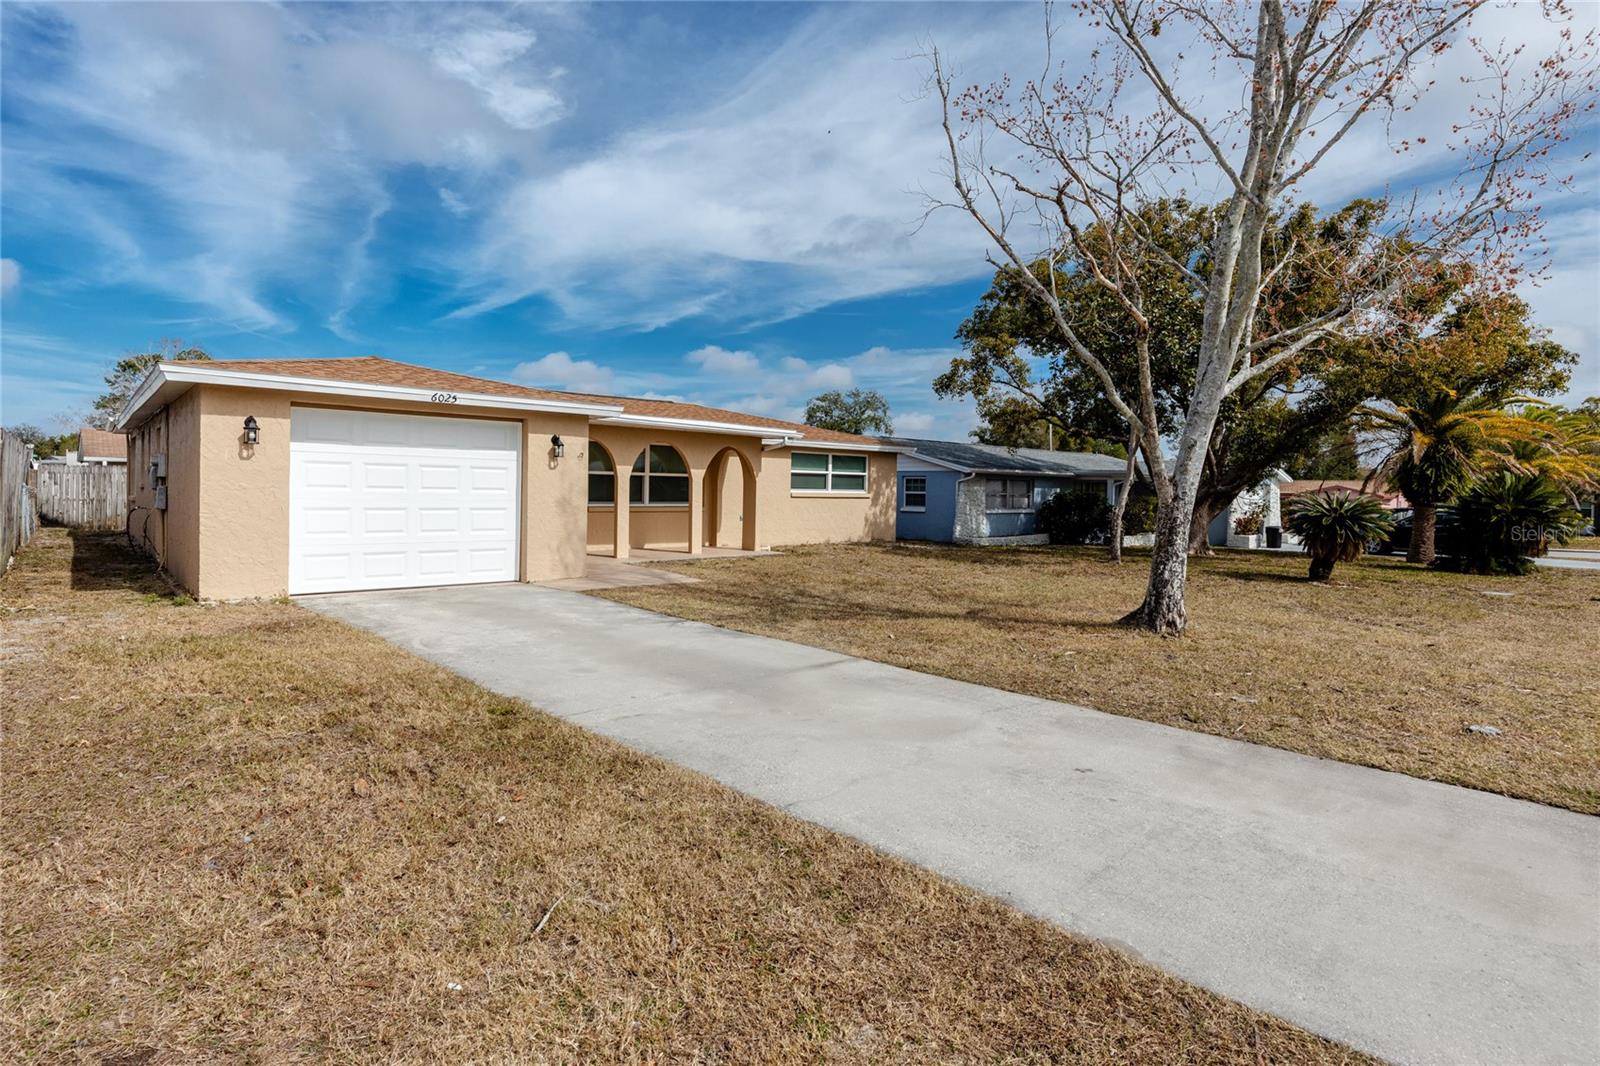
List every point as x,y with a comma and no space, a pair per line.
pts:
381,501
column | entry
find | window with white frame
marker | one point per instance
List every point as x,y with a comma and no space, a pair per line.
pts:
602,477
826,472
660,476
914,494
1008,494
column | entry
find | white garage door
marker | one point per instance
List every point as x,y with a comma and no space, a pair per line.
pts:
381,501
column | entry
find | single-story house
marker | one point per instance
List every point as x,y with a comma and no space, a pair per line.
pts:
960,493
96,447
261,477
1265,500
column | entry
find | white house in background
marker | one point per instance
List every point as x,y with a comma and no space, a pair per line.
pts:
1265,499
96,447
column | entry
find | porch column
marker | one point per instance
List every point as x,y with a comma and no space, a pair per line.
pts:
697,509
619,512
749,539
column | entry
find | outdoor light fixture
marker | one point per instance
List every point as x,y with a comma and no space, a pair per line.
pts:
557,447
252,429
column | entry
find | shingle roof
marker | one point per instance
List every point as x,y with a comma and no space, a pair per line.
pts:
372,370
101,444
992,458
1351,486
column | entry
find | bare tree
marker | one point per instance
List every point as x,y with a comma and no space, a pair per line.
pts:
1067,162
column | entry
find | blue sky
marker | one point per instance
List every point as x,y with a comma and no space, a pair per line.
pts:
718,203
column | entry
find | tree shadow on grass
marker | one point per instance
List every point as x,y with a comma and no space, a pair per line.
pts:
727,603
105,562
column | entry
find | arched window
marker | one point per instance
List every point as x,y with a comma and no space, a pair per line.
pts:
659,476
602,475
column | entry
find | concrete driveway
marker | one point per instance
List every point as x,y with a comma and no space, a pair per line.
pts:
1418,921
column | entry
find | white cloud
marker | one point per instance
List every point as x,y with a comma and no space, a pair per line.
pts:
713,359
559,370
793,190
245,149
10,276
831,376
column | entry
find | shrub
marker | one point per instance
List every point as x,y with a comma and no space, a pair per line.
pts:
1075,516
1336,527
1140,516
1507,519
1248,524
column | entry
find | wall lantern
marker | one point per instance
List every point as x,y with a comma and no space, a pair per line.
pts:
557,447
252,430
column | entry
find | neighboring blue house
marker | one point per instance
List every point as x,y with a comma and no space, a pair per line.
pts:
985,494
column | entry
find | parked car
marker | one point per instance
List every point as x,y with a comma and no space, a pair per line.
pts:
1446,533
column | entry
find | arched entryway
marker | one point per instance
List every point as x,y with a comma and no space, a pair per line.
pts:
730,501
602,537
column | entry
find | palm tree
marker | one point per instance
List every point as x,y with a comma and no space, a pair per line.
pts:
1336,527
1435,446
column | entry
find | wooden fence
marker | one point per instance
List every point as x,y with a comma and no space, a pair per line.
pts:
16,498
84,497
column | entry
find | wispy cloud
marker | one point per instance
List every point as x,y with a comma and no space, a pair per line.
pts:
216,152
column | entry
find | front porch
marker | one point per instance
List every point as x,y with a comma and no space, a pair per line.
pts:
691,497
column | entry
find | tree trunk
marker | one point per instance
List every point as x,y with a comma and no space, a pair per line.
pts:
1163,610
1122,497
1205,510
1423,517
1321,569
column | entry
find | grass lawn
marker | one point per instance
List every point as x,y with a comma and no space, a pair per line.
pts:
1386,666
1591,544
250,833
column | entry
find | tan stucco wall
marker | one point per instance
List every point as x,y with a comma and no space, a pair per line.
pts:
601,523
226,531
811,519
172,536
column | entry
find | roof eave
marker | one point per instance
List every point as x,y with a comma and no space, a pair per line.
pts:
167,381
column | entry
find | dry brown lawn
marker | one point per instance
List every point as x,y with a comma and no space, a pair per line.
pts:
1591,544
249,833
1385,666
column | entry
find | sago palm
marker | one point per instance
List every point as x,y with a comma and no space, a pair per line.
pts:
1336,527
1507,519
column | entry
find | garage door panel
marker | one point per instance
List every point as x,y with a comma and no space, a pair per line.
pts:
383,565
327,521
438,520
326,473
385,522
489,479
383,477
487,560
435,478
381,500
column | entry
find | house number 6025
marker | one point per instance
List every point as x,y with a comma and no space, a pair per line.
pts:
444,397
